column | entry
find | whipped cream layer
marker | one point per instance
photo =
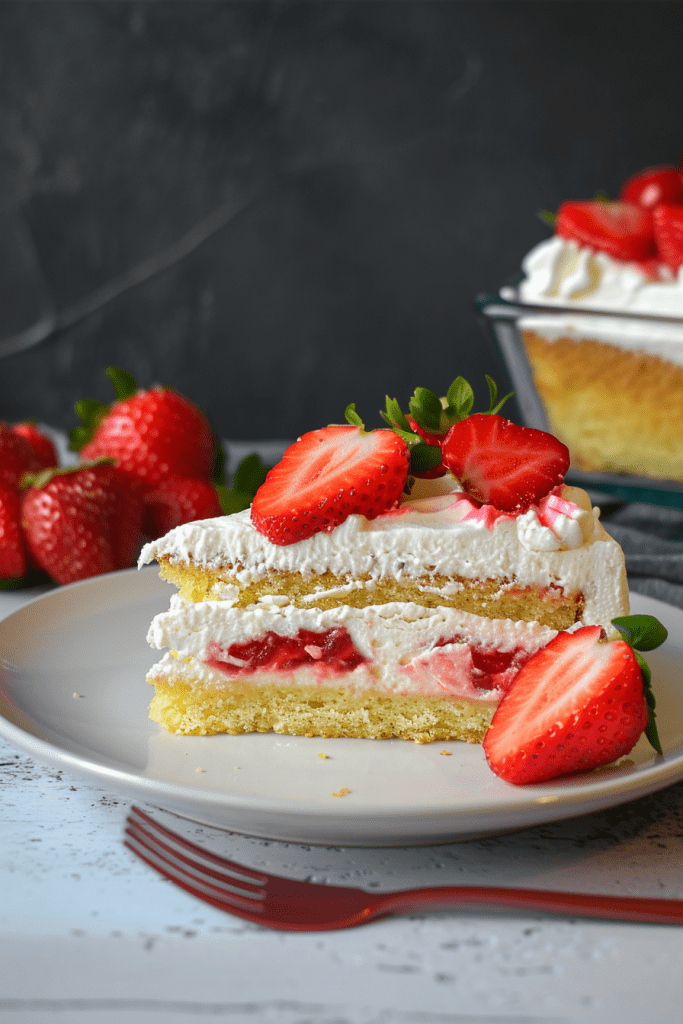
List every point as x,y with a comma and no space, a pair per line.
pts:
564,273
408,649
558,543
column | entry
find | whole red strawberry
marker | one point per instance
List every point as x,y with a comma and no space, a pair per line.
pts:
576,704
12,550
150,434
43,447
176,500
82,522
502,464
328,475
16,457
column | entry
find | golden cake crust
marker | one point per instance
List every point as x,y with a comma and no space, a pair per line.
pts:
617,410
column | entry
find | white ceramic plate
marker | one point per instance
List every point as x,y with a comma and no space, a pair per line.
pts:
89,639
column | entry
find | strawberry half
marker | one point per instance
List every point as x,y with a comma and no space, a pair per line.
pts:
653,186
622,230
326,476
668,225
502,464
576,704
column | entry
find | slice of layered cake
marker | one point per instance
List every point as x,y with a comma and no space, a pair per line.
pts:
355,598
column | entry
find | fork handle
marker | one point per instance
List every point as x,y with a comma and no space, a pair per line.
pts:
615,908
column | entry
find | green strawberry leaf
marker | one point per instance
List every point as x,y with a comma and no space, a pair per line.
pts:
125,384
249,476
460,399
426,408
495,407
352,416
548,217
651,730
394,416
32,579
424,457
91,413
644,633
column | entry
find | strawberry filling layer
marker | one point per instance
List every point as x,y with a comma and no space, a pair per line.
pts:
453,665
467,670
273,653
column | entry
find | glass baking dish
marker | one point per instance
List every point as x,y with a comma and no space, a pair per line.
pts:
609,385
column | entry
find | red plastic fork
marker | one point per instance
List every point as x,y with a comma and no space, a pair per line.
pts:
306,907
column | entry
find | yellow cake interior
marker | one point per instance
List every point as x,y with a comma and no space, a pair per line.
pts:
316,711
493,598
617,410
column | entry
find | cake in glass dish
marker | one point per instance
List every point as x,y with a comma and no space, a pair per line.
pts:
607,358
383,584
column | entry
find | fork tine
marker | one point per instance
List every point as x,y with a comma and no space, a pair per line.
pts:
228,865
147,838
194,887
189,873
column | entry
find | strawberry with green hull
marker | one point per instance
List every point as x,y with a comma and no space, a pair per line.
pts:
577,704
430,418
151,434
81,522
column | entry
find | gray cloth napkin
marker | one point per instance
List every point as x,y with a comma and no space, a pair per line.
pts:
652,540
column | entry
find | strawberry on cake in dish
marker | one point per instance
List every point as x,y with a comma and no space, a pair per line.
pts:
384,583
612,385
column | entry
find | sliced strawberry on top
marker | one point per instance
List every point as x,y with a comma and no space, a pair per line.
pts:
622,230
653,186
576,704
326,476
668,225
502,464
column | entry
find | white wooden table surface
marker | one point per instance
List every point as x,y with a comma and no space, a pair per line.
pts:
90,935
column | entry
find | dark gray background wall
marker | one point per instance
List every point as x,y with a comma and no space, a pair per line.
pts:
281,207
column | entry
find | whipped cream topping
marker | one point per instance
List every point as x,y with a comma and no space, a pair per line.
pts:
434,532
403,644
562,272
